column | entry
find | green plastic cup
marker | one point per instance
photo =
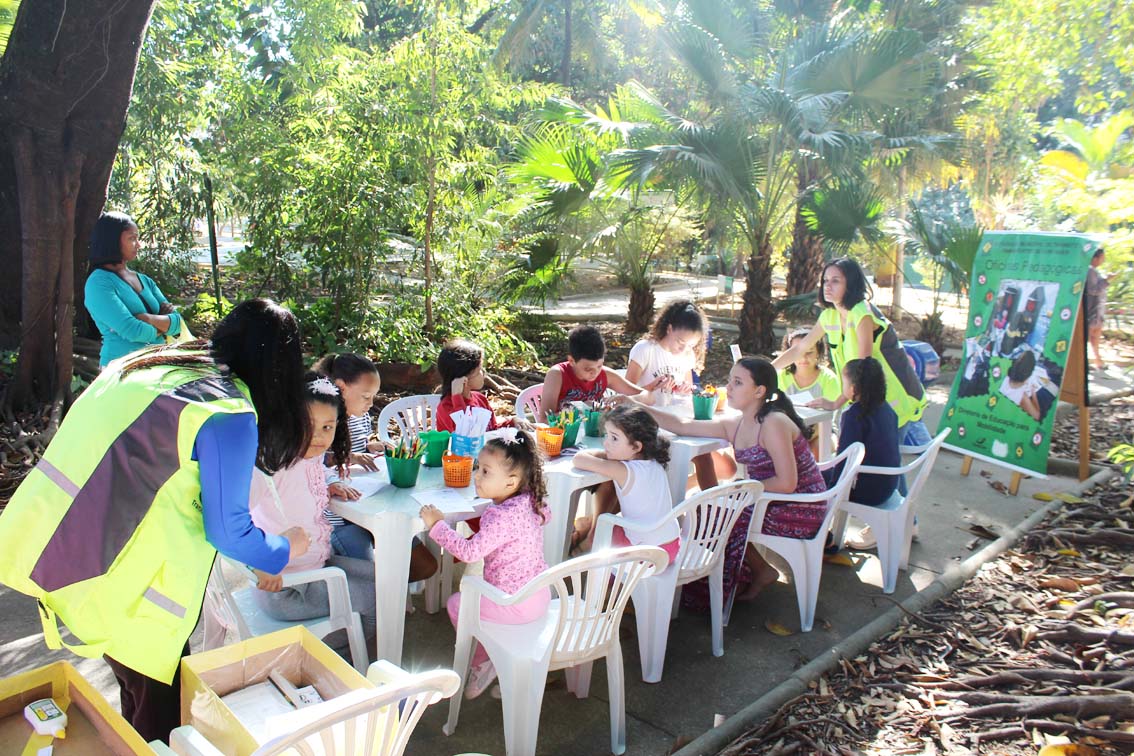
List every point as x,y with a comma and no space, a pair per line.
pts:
436,444
403,472
704,406
571,433
594,423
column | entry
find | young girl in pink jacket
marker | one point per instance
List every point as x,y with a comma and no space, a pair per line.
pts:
510,540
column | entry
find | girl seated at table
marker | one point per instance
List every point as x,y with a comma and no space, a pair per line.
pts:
872,421
808,378
296,497
510,540
634,457
461,365
770,440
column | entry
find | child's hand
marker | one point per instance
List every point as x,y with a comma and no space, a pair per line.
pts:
431,515
343,491
822,403
365,460
269,583
683,388
460,386
375,446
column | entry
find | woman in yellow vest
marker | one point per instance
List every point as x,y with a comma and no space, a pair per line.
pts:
855,328
115,530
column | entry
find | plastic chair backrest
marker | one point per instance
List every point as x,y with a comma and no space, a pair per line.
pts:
706,522
528,402
375,725
412,415
838,494
592,592
923,465
221,604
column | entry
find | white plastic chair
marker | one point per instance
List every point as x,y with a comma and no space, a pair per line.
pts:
528,403
589,595
805,557
372,723
706,520
227,611
412,415
892,521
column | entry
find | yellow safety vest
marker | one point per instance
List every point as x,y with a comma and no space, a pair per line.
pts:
904,392
107,531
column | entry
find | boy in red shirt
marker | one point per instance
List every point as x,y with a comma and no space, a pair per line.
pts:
583,378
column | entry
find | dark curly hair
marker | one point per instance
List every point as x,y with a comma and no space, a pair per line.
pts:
585,342
458,358
858,289
340,447
640,427
869,382
524,455
683,315
799,333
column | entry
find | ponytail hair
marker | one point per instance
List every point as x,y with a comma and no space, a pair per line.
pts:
869,382
347,367
763,374
523,455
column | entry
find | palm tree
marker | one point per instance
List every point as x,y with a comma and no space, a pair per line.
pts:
742,150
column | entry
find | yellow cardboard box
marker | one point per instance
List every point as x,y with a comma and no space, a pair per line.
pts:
93,728
295,653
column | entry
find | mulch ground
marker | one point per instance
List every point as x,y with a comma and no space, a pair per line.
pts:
1036,650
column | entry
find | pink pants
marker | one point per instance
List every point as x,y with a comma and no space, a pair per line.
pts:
526,611
618,538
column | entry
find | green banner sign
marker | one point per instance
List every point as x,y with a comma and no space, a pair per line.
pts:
1025,292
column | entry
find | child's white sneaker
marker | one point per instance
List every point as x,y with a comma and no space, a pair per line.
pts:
480,678
865,540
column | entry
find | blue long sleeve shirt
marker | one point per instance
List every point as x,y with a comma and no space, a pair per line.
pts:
878,432
225,449
113,303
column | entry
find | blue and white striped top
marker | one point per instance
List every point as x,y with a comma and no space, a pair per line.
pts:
360,426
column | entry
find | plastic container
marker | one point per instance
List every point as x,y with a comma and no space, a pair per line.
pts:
550,440
403,472
593,422
436,444
722,399
466,446
704,405
924,359
571,433
457,470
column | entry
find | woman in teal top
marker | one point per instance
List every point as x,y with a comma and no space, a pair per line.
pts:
126,306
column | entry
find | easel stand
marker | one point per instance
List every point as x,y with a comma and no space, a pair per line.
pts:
1072,391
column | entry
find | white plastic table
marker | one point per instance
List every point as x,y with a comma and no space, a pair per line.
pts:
391,516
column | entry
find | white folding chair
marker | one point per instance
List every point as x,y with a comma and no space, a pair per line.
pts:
372,722
589,595
705,521
892,520
411,415
235,611
805,556
528,403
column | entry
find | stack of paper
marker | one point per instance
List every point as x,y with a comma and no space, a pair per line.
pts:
472,421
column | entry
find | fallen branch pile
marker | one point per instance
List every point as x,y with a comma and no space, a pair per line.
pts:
1038,647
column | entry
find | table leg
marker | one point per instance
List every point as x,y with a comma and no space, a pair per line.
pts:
680,460
393,537
556,529
825,450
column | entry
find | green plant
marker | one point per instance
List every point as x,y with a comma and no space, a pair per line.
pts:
1123,456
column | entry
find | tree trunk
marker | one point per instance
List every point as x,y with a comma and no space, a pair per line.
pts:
900,254
641,309
806,263
565,62
757,313
65,84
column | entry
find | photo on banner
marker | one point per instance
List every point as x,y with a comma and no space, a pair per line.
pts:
1025,293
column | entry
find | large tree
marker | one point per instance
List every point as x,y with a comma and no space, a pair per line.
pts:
65,83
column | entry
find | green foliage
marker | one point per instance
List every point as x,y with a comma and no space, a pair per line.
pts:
940,230
1123,456
205,312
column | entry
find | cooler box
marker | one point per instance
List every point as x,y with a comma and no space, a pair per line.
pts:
295,653
93,727
926,363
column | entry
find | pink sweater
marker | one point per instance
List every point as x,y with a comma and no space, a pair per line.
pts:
302,490
510,542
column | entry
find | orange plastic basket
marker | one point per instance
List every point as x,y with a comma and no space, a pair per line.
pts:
550,440
457,470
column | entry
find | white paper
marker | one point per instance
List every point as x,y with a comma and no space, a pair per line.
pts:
367,486
447,500
255,705
802,398
472,421
735,349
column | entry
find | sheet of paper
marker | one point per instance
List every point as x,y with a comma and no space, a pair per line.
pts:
368,485
735,349
802,398
447,500
254,705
